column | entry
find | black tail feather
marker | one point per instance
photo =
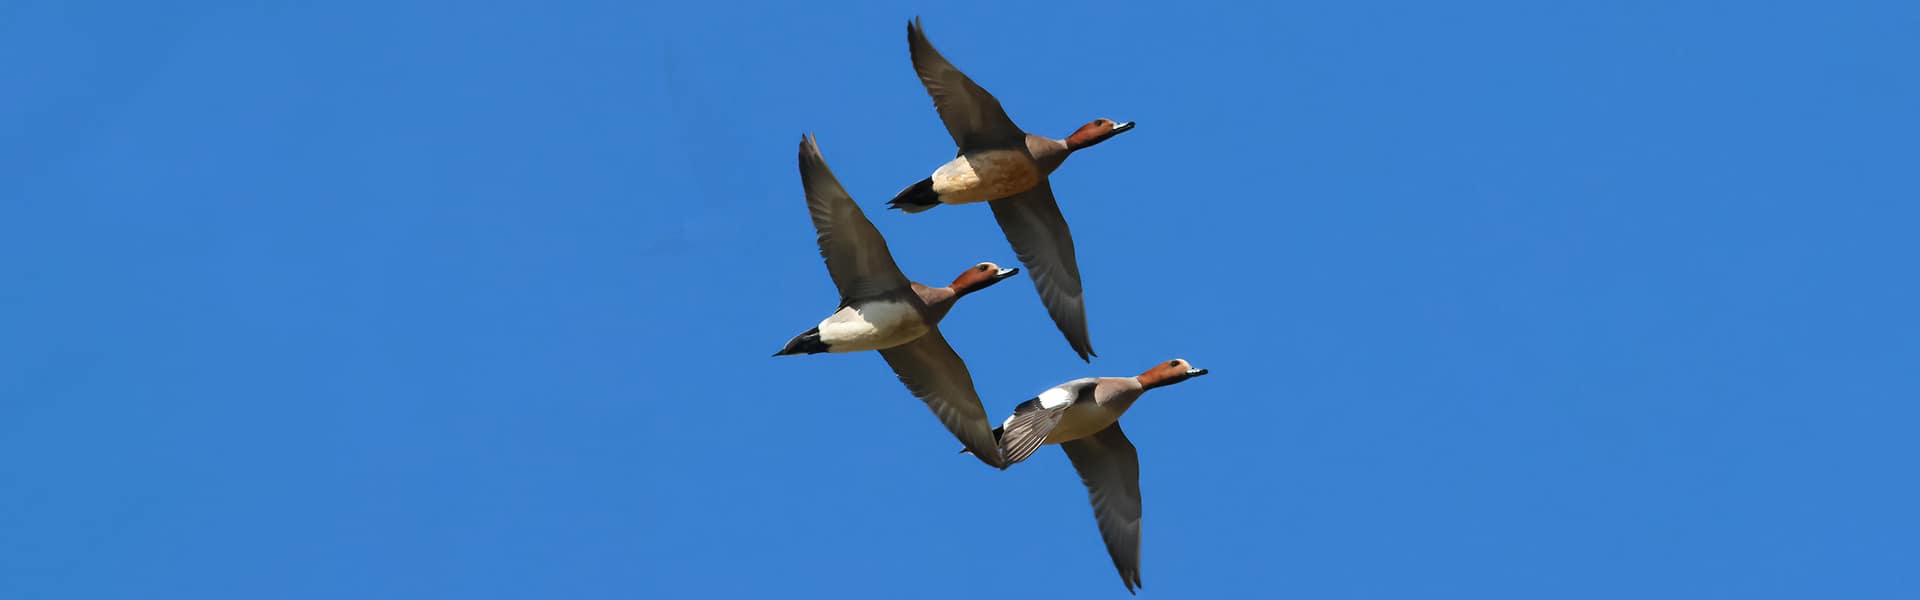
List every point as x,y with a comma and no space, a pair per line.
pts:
805,343
916,198
997,432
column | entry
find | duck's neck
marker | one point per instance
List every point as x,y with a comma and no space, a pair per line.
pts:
1154,379
939,300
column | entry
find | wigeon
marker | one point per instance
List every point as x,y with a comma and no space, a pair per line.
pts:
1083,417
1006,167
881,310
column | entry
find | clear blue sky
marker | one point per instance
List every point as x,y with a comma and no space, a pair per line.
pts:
475,300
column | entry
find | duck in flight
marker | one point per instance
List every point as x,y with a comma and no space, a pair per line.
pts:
1083,417
880,309
1007,168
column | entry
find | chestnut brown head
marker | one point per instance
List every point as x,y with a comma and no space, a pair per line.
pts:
980,277
1169,373
1095,132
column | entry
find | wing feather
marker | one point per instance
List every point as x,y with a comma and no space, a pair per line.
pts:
935,374
972,116
856,255
1110,468
1038,233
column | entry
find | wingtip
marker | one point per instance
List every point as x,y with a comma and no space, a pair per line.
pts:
989,462
811,159
998,462
915,32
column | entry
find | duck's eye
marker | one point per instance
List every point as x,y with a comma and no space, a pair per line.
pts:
1174,363
982,268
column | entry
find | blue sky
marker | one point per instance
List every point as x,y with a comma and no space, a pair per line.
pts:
458,300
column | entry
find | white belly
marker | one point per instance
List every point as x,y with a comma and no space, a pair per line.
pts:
872,326
1082,420
984,176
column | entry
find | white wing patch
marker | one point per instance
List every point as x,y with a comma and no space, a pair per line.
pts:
1056,398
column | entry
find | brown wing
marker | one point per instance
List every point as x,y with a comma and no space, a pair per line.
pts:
1038,232
857,257
936,375
972,115
1110,469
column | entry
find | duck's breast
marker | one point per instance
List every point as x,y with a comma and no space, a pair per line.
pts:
986,175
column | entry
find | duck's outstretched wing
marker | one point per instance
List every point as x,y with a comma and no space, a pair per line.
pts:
1110,469
1034,420
1038,232
972,115
856,255
936,375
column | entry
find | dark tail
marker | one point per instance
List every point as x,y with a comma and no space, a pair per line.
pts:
916,198
805,343
997,432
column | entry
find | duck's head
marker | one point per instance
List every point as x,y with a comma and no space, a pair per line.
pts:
1095,132
1169,373
980,277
